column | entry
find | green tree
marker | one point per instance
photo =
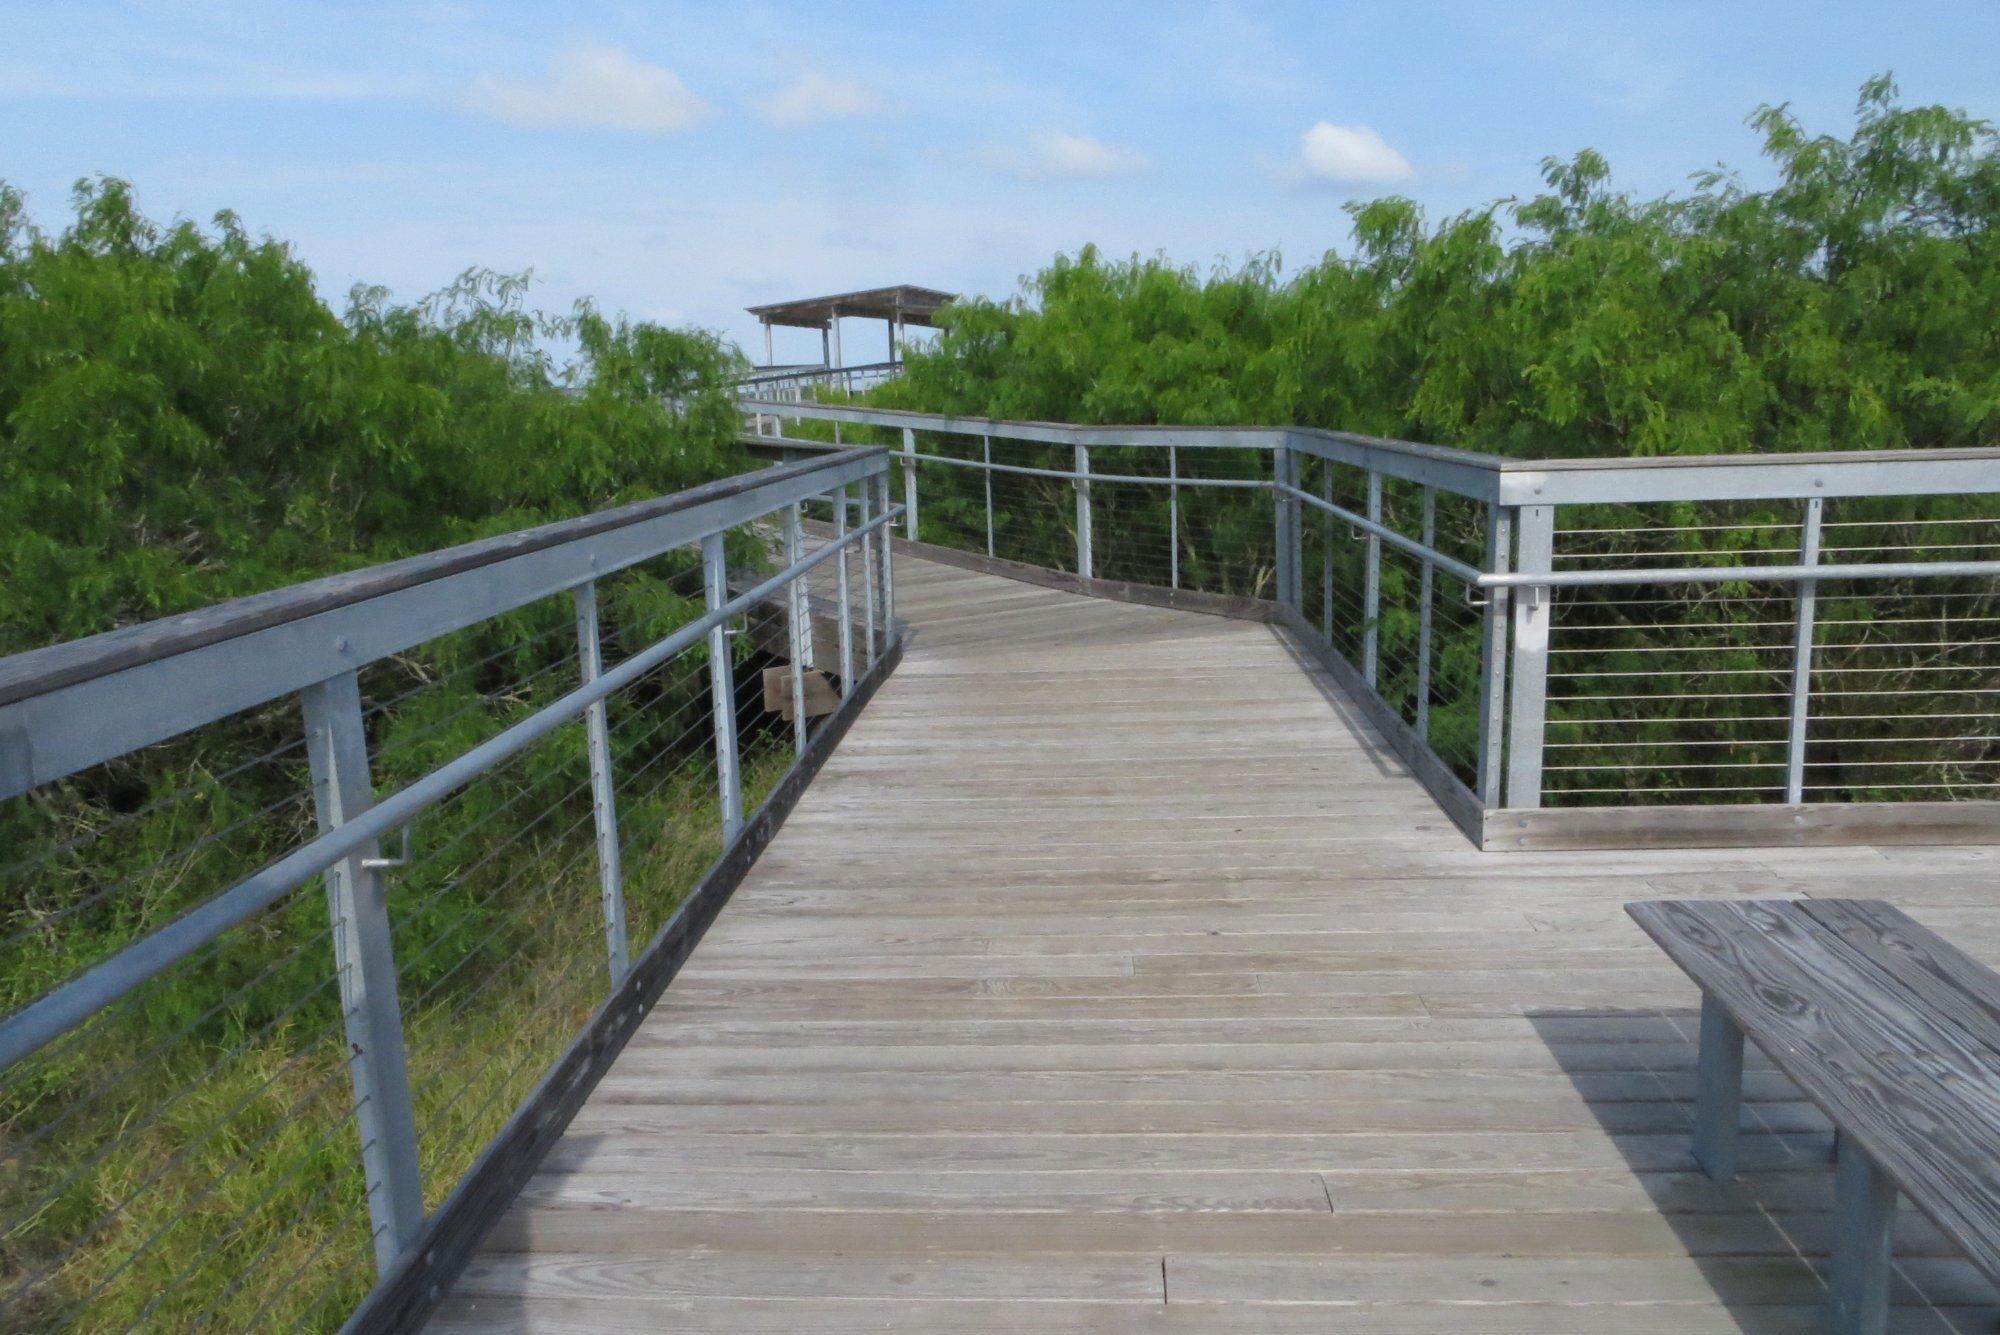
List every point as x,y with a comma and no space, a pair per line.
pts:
1853,304
183,420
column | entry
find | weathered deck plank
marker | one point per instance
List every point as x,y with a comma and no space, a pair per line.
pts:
1114,976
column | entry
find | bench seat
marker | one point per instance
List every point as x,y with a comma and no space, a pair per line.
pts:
1892,1031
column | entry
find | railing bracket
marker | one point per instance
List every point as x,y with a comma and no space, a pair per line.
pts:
402,859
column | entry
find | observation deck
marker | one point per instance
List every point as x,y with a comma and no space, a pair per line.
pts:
989,875
1116,974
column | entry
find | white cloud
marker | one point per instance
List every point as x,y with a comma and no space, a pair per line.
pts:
1348,154
1057,156
595,87
814,99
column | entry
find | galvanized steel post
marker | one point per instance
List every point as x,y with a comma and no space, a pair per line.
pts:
887,568
365,967
1084,545
909,485
1173,518
1426,590
798,635
603,793
1534,609
986,457
1802,654
1371,587
843,594
1493,655
865,507
722,685
1285,524
1326,551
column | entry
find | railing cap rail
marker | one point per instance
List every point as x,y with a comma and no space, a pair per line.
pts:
811,371
1498,462
1504,479
750,440
39,671
1803,458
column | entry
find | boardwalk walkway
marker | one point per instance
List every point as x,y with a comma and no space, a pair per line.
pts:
1113,977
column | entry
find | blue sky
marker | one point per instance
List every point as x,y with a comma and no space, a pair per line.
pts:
679,162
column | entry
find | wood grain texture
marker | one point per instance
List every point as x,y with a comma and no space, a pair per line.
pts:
1859,1005
406,1296
1956,987
1881,824
1115,974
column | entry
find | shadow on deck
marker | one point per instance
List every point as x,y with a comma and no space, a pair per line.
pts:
1112,975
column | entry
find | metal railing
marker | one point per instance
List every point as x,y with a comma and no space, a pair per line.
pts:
800,384
526,772
1779,631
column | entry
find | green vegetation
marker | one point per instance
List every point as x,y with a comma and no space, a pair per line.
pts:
183,420
1854,304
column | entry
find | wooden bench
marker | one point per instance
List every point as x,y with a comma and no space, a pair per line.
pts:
1893,1033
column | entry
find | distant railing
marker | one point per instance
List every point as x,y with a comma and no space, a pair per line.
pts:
1567,651
230,1103
798,384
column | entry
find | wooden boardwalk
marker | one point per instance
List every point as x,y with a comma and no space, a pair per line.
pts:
1112,976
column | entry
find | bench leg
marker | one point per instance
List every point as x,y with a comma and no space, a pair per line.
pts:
1865,1209
1718,1091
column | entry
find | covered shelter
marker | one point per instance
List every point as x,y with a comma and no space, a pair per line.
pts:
899,307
